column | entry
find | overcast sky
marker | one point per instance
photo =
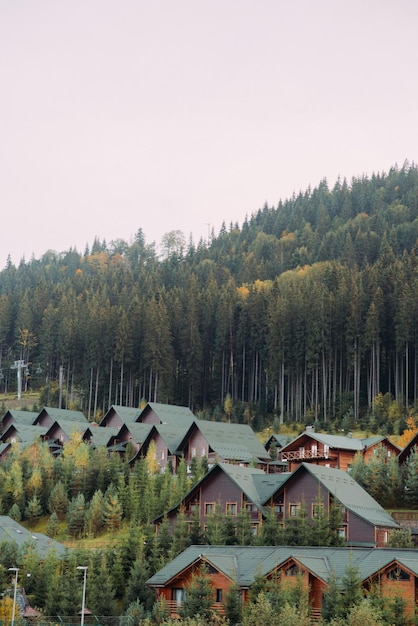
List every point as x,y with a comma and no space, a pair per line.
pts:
181,114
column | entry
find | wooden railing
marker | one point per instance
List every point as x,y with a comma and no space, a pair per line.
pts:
174,608
305,454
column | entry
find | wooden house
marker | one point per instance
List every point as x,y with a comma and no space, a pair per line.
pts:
229,489
223,442
170,414
23,418
49,415
363,520
61,432
393,571
333,450
119,415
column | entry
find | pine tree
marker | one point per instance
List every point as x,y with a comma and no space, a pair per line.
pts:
200,596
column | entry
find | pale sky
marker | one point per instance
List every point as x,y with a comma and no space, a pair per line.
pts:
181,114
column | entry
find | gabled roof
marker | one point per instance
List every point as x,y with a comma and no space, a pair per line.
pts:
61,415
12,531
138,431
255,484
245,562
25,433
340,442
279,441
235,442
169,413
404,454
21,417
349,493
100,436
127,414
68,427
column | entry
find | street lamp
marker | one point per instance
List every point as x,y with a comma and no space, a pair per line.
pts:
83,567
16,570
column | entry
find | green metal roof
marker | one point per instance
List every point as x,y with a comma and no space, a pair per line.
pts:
61,415
127,414
12,531
171,413
26,432
340,441
350,494
138,431
232,441
21,417
243,563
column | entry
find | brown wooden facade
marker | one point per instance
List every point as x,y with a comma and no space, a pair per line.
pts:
394,575
307,448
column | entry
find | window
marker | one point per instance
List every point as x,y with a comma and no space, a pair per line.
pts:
279,508
193,452
314,449
162,455
326,450
397,573
293,509
218,595
301,452
203,452
231,508
194,507
342,532
178,595
317,509
293,570
249,507
209,508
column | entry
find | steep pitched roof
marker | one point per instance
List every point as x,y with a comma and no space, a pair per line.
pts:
255,484
349,493
169,413
61,415
100,436
232,441
68,427
25,433
21,417
127,414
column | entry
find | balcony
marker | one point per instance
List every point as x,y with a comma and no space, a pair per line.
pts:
306,455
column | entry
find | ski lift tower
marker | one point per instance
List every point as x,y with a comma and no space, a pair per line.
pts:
19,365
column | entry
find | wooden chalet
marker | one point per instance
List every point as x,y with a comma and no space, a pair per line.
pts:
61,432
223,442
393,571
229,489
119,415
22,435
364,521
158,413
23,418
49,415
333,450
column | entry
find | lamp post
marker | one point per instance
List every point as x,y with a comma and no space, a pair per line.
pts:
16,570
82,567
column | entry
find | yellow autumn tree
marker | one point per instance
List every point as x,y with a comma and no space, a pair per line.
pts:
408,433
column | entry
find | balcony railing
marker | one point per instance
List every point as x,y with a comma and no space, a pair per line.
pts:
302,455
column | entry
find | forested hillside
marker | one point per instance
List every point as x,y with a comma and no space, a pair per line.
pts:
307,312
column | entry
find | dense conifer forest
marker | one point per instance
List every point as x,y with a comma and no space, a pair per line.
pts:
305,312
